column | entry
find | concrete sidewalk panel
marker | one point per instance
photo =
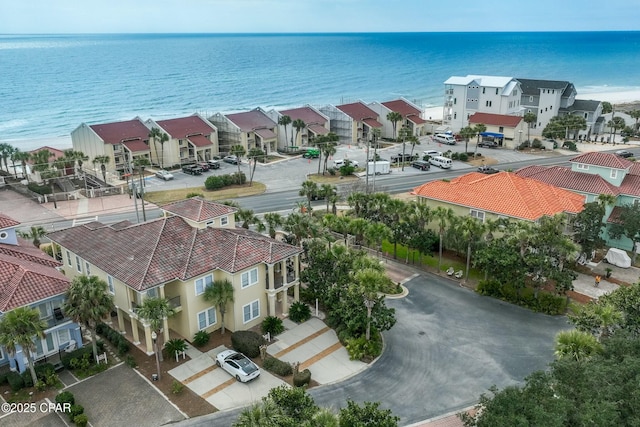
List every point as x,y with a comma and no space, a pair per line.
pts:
243,394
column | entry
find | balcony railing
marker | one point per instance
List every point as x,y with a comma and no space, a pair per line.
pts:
279,281
175,302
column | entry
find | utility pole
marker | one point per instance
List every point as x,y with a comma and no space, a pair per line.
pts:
366,168
134,191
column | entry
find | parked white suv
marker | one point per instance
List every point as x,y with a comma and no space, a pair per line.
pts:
338,163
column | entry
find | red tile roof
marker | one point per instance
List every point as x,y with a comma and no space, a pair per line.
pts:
495,119
614,216
372,123
116,133
403,107
199,140
416,119
607,160
265,133
566,178
7,222
180,127
148,254
306,114
136,146
250,120
358,111
630,185
26,251
198,209
635,169
318,129
56,152
503,193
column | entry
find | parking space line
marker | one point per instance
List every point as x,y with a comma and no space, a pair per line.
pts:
324,353
218,388
302,342
199,374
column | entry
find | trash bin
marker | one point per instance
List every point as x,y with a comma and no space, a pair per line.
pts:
154,377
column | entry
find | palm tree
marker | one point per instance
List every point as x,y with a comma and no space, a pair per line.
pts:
238,151
15,157
5,153
23,157
576,345
529,118
75,157
467,133
375,233
154,310
87,301
285,121
405,134
273,220
220,294
18,328
615,123
35,234
357,227
608,317
159,137
254,154
310,190
479,128
444,216
368,282
472,229
40,160
298,124
635,114
326,191
102,161
247,216
265,414
394,117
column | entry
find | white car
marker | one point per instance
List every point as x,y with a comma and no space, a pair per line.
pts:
163,174
432,153
238,365
338,163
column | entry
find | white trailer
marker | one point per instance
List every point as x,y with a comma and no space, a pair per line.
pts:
381,167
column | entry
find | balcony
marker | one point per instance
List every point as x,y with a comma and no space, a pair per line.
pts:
448,92
175,303
58,318
279,281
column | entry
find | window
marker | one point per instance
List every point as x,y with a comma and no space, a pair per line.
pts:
206,318
496,91
614,173
210,223
78,264
483,89
249,278
488,104
202,283
454,101
477,214
63,336
515,93
251,311
87,268
586,115
582,166
112,289
152,293
69,258
455,115
224,220
501,129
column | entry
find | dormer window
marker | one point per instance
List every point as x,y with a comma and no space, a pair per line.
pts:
583,167
614,173
224,220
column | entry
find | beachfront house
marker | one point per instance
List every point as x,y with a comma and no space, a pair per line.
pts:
590,175
195,243
411,117
30,278
316,124
506,131
353,122
192,138
501,195
120,142
464,96
250,129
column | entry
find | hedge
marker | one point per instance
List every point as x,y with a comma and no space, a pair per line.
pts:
545,302
277,366
216,182
302,378
247,342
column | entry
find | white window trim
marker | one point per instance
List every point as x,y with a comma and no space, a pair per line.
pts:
248,274
251,314
78,264
111,286
208,320
87,267
614,173
224,220
477,214
582,166
204,284
69,259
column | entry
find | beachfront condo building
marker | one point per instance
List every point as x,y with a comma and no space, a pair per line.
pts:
192,246
411,117
250,129
353,123
315,124
190,139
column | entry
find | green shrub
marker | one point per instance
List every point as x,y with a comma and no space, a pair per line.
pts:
175,345
81,420
40,189
570,145
302,378
332,171
26,378
75,411
272,325
101,328
277,366
15,381
299,312
3,378
536,143
194,194
214,182
361,349
75,354
176,387
463,157
200,338
454,156
123,347
247,342
490,288
66,397
131,361
551,304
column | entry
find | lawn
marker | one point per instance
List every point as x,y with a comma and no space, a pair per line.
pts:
232,192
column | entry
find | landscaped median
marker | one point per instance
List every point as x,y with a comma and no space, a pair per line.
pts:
231,192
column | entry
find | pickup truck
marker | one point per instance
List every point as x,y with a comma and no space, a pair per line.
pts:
192,169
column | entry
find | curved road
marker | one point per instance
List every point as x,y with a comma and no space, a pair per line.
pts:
448,346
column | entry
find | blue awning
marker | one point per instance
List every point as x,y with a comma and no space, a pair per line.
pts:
493,134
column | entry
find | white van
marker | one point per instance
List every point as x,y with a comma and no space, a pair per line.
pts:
443,138
338,163
441,162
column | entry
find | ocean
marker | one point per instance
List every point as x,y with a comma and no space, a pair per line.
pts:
50,84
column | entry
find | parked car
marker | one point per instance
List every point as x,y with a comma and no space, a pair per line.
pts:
487,170
238,365
624,153
231,159
214,164
338,163
421,164
397,158
432,153
204,165
192,169
488,144
164,174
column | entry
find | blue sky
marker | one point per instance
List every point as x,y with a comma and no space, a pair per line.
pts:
272,16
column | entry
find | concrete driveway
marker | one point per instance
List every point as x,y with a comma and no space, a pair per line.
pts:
448,346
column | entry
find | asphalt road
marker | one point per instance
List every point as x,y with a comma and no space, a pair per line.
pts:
448,346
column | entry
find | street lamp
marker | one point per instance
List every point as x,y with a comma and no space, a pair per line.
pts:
144,214
519,138
154,338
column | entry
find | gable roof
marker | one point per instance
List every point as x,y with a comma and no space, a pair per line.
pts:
589,105
533,86
495,119
251,120
148,254
406,109
7,222
118,132
630,185
198,209
57,153
504,193
306,114
358,111
564,177
607,160
182,127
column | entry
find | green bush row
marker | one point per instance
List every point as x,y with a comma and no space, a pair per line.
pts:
272,325
119,342
277,366
302,378
247,343
19,381
216,182
545,302
40,189
76,412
